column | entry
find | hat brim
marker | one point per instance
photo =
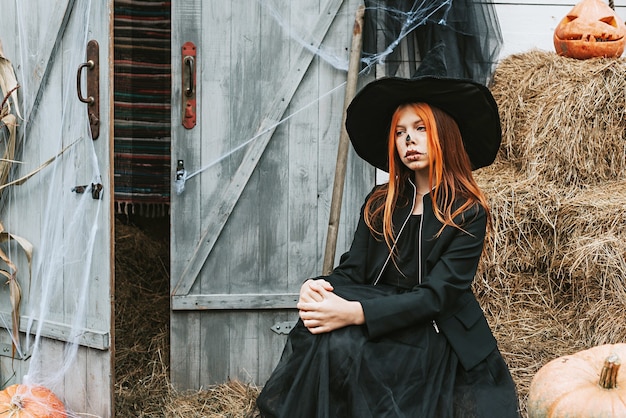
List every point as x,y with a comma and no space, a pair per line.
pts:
469,103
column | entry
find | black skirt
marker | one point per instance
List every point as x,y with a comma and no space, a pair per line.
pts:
412,372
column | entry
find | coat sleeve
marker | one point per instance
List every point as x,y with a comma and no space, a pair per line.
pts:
445,284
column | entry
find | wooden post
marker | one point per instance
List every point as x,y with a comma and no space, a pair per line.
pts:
344,141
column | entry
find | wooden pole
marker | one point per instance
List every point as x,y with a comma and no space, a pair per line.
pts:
344,142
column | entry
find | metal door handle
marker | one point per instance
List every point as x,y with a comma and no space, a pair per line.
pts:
89,64
189,62
93,87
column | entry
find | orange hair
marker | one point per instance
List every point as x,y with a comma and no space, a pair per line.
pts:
450,175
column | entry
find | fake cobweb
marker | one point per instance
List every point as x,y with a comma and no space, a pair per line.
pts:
67,226
396,34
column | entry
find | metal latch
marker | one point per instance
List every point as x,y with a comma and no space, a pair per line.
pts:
95,188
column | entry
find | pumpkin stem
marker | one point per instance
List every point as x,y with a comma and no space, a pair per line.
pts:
608,376
17,403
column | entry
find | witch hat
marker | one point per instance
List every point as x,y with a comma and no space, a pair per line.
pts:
469,103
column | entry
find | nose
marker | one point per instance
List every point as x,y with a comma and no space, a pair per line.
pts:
408,138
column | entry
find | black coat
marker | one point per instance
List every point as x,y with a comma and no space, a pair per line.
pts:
447,265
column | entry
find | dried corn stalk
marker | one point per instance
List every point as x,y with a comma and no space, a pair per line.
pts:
15,290
9,112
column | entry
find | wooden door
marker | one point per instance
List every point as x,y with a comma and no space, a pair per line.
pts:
63,205
250,224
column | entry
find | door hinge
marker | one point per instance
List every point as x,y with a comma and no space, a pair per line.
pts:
6,350
283,327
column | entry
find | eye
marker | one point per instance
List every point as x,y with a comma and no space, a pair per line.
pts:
400,133
420,128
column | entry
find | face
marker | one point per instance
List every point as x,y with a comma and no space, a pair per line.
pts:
412,140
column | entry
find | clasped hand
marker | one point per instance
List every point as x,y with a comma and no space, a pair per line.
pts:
322,310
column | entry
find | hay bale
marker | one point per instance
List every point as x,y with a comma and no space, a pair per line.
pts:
573,241
564,120
524,216
553,278
530,328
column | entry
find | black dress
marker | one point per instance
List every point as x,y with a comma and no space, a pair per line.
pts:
412,372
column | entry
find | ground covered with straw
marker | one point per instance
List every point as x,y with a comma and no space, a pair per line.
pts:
552,281
142,387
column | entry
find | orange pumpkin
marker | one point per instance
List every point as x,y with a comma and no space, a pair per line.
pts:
585,384
22,401
591,29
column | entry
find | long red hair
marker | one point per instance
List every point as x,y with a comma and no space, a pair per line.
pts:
453,188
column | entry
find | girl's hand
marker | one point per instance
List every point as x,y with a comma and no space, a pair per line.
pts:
330,313
311,290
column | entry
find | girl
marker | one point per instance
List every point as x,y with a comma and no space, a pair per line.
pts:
395,330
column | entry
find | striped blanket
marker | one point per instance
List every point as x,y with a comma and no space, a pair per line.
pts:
142,107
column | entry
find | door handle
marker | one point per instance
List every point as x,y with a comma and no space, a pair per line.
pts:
93,87
188,63
188,79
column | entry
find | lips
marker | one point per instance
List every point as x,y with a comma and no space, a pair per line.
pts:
412,155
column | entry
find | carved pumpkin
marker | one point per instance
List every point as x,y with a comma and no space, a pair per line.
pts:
585,384
22,401
591,29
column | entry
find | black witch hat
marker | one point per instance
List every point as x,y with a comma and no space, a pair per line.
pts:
469,103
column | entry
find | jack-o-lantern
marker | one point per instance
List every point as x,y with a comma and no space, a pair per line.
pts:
591,29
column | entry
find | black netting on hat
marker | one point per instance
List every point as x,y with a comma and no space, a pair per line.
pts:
469,29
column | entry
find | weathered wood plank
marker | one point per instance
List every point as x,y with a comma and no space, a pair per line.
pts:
236,263
61,331
60,12
220,130
218,133
303,170
226,201
100,382
244,346
250,74
188,348
272,171
235,301
76,379
215,339
186,332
